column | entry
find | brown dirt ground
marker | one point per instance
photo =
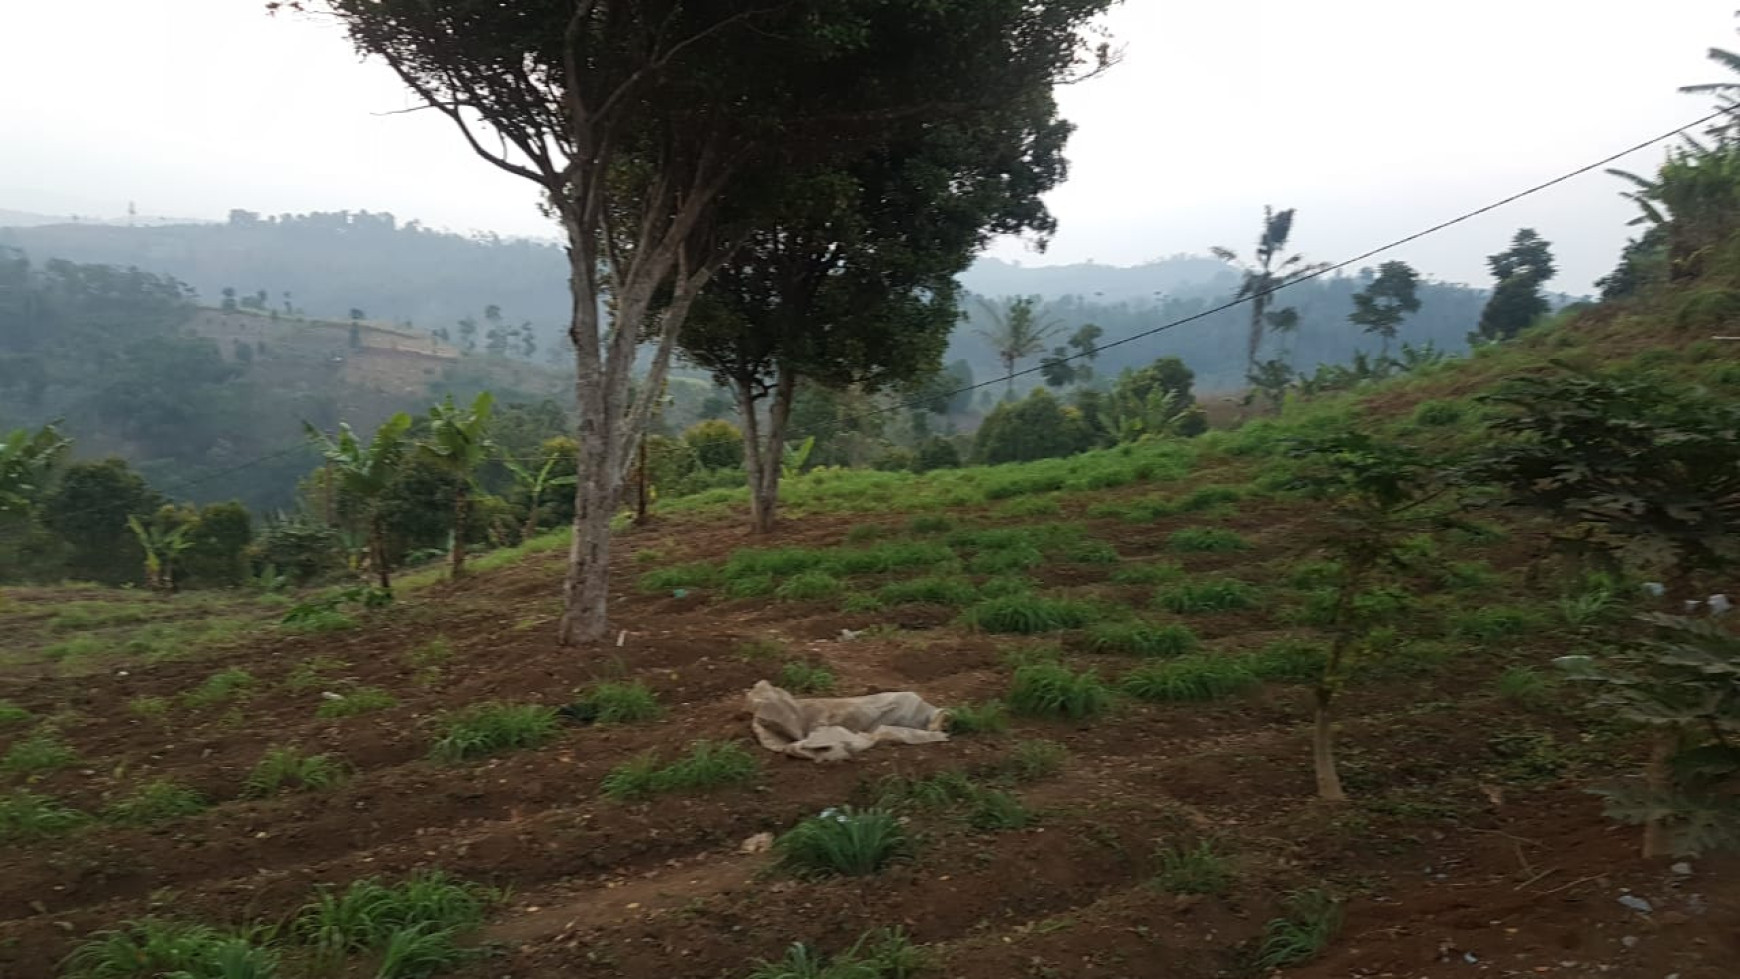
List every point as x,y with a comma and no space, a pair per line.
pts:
1450,867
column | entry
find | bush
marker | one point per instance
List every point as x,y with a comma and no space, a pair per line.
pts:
487,729
709,764
1026,615
1141,638
1053,690
1036,427
1436,413
716,443
846,841
1191,678
1206,595
936,452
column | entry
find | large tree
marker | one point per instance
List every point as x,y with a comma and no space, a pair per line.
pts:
1517,300
651,128
854,284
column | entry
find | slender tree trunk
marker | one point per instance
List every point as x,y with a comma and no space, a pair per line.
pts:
531,527
1323,748
641,478
331,501
764,452
461,509
378,551
1659,777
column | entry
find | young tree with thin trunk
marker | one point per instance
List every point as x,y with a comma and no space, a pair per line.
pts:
1267,271
846,290
1018,331
458,442
651,127
364,473
1388,300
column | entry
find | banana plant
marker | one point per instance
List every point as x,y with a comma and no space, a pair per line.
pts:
364,473
162,549
534,484
26,459
458,442
796,457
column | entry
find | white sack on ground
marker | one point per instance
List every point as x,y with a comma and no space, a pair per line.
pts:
835,729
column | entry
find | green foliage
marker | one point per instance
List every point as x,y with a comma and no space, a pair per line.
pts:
1034,760
619,702
1148,573
1517,301
365,473
314,672
697,575
933,590
989,717
1494,622
157,801
885,953
1190,678
1141,638
717,443
492,728
1386,301
811,586
1208,540
1206,595
1054,690
288,768
1089,551
930,523
708,765
983,807
221,687
89,509
847,842
1005,560
1707,309
414,923
800,677
43,751
1432,414
1523,685
11,713
1036,427
1312,921
28,816
1027,615
154,948
1290,661
1199,869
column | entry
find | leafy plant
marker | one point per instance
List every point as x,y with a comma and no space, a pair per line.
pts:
1207,540
1054,690
156,801
1523,686
43,751
1206,595
798,676
28,816
1199,869
1026,615
1148,573
491,728
1202,677
885,953
288,768
1033,760
1289,661
154,948
366,473
620,702
362,700
990,717
1311,922
413,922
1141,638
709,764
846,841
225,685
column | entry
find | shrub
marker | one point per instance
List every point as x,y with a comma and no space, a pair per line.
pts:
1206,540
618,702
156,802
1206,595
846,841
1053,690
990,717
716,443
800,677
1148,573
1036,427
811,586
1141,638
43,751
362,700
709,764
230,684
936,452
28,816
1190,678
486,729
1193,870
289,768
1437,413
1026,615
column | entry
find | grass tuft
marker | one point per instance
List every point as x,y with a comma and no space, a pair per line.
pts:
1206,595
1199,869
156,802
43,751
362,700
846,842
1034,760
1054,690
709,764
492,728
990,717
221,687
1021,614
289,769
1493,623
619,702
1524,685
1141,639
153,947
932,590
1148,573
1190,678
413,922
11,713
1312,920
28,816
1289,661
885,953
1206,540
798,676
315,672
811,586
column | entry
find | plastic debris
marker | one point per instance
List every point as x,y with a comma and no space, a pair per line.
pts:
1636,903
1655,588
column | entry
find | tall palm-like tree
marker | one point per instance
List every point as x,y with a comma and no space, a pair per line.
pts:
364,472
1267,271
459,442
1018,331
162,546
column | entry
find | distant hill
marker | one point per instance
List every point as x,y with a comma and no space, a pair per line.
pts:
1193,274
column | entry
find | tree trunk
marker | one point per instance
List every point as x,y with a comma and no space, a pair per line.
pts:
640,504
764,452
378,551
456,554
1323,749
531,527
586,616
1659,777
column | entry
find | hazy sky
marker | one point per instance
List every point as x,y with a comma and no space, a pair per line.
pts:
1373,117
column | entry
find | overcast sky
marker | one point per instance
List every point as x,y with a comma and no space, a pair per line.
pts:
1374,118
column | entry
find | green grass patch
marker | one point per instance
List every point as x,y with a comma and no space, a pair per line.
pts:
1028,615
1315,574
1206,595
317,621
1209,498
413,924
989,717
679,577
1495,622
1289,661
750,586
492,728
1005,560
158,801
1311,922
1034,760
1198,869
1089,551
981,806
150,708
219,688
811,586
864,533
78,647
43,751
1524,686
885,953
930,590
362,700
1206,540
28,816
1148,573
1468,575
846,842
619,702
434,653
288,769
1190,678
1141,639
11,713
800,677
154,948
1054,690
1030,506
930,523
315,672
708,765
1436,414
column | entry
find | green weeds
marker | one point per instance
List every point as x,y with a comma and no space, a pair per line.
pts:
152,947
1199,869
619,702
43,751
1312,920
1028,615
28,816
287,768
492,728
1206,540
11,713
990,717
708,765
1190,678
846,842
800,677
1141,639
885,953
1054,690
219,688
1206,595
931,590
362,700
158,801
